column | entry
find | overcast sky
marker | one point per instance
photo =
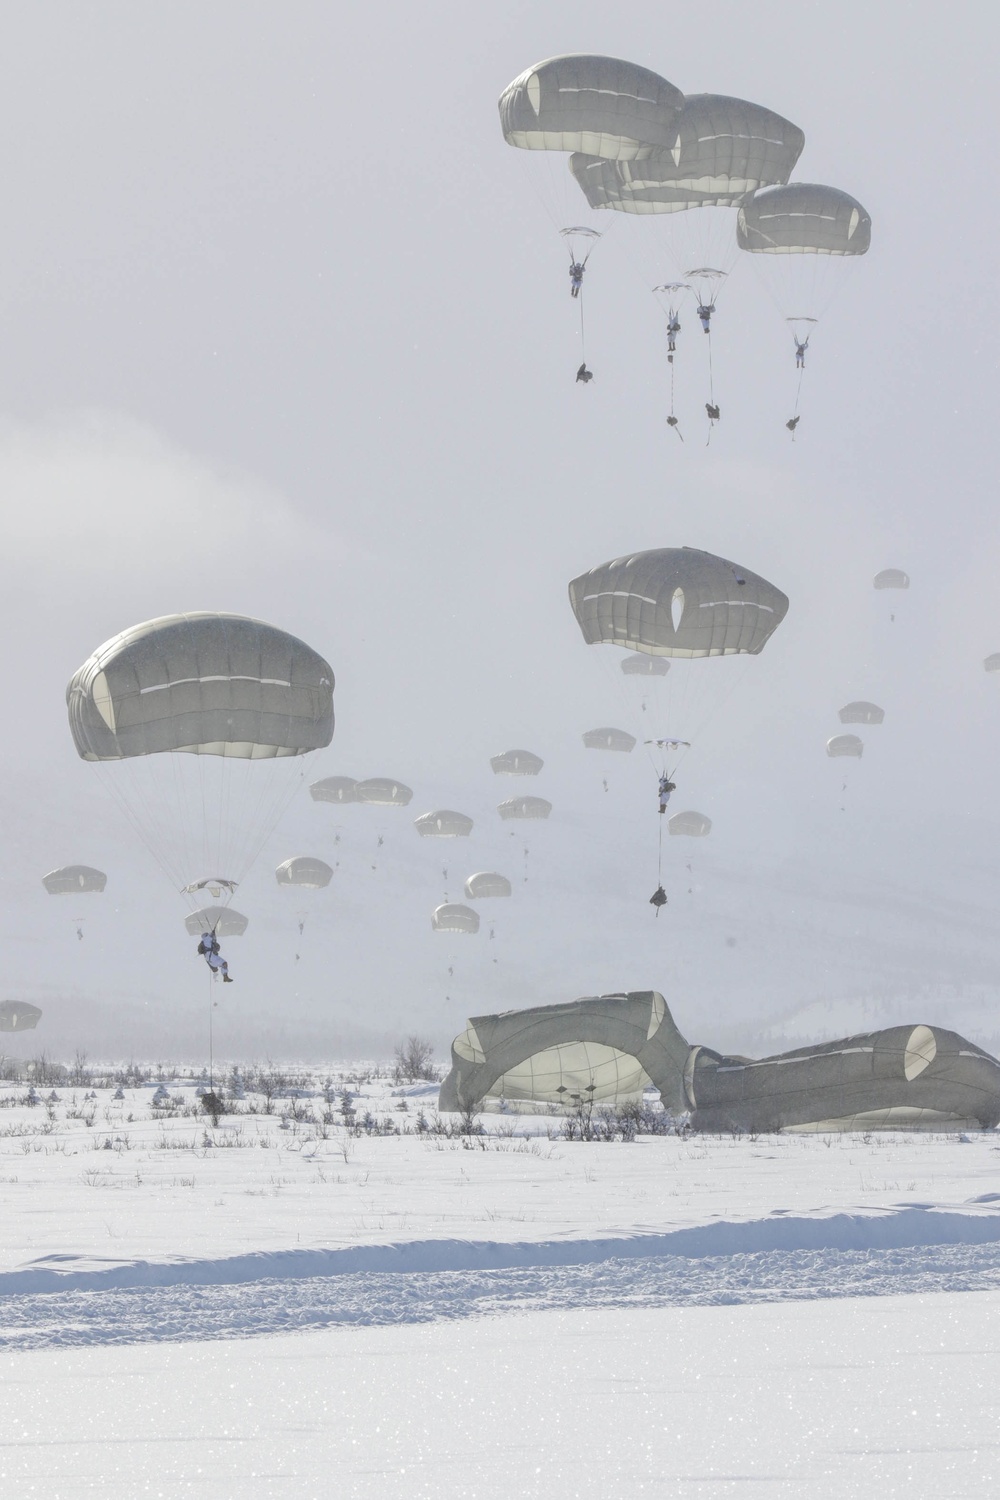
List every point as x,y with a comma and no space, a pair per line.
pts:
285,331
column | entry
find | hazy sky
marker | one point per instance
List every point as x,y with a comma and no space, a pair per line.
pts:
286,332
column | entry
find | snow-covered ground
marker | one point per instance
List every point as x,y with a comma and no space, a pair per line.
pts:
282,1304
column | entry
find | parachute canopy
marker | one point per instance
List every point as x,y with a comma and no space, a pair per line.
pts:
334,789
845,744
992,663
645,666
613,739
525,807
803,218
303,870
891,578
222,920
443,824
487,885
16,1015
74,880
677,601
692,825
724,148
207,684
516,763
451,917
581,102
861,713
382,791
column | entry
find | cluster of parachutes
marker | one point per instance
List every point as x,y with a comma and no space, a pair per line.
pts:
708,174
850,745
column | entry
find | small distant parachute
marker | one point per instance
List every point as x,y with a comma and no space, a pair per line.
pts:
304,870
891,578
382,791
692,825
580,102
525,807
443,824
845,744
222,920
861,713
992,663
334,789
16,1015
452,917
74,880
677,602
487,885
516,763
613,739
645,666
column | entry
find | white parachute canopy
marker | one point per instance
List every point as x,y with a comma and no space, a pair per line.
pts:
200,723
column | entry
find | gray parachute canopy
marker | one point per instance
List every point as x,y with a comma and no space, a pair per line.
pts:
992,663
17,1015
803,218
209,684
677,601
224,921
525,807
303,870
724,148
645,666
612,739
382,791
891,578
487,885
845,744
443,824
605,1047
903,1078
74,880
516,763
451,917
600,105
861,713
692,825
334,789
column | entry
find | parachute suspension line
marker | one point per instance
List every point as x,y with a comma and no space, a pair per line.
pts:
583,336
791,425
711,407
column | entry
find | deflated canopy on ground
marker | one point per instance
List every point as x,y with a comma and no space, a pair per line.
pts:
677,601
601,1048
74,880
584,102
